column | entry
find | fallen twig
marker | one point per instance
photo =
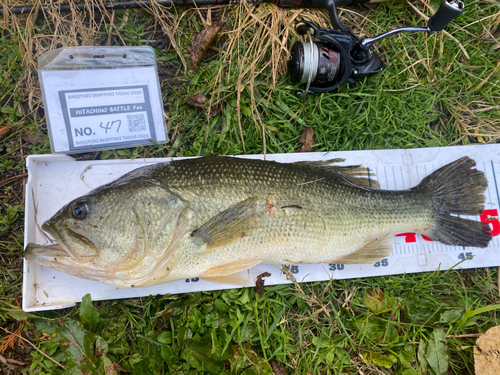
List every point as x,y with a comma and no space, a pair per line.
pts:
29,342
7,180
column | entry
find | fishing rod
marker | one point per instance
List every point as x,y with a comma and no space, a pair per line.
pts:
166,3
337,56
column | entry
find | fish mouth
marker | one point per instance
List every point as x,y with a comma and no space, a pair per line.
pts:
81,250
34,252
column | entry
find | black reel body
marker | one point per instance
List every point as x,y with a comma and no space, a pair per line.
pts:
337,55
326,64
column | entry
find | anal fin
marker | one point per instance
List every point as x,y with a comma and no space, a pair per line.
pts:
240,278
230,273
372,252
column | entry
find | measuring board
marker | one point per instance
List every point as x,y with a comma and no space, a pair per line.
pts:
55,180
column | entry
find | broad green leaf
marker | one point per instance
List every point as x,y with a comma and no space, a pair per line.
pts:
249,332
241,358
78,345
385,360
301,304
20,315
167,354
246,111
89,314
450,316
198,346
174,308
135,358
101,347
245,298
85,352
106,154
391,334
436,353
407,356
142,367
422,360
165,338
123,152
120,347
44,326
378,302
260,368
409,371
221,306
203,363
372,328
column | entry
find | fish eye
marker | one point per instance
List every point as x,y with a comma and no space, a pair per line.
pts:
80,210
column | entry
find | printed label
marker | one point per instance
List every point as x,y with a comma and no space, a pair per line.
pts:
107,116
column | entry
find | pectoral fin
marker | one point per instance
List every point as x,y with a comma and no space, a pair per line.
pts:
231,273
372,252
230,225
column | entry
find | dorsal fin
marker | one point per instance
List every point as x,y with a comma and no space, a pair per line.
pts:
357,174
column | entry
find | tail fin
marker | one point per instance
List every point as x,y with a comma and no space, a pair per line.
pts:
457,188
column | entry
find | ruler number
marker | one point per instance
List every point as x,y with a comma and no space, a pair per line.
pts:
336,267
194,280
293,269
383,263
464,256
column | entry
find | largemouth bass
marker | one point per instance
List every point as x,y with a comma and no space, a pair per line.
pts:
214,217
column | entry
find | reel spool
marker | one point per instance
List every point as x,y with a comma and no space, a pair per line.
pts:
314,63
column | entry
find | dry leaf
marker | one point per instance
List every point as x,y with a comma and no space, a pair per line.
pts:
215,108
307,140
277,368
34,138
487,352
116,366
199,101
4,132
259,283
468,63
15,362
202,41
496,33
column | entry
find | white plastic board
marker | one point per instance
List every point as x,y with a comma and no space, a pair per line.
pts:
55,180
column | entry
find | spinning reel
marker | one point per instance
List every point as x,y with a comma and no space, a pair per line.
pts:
338,55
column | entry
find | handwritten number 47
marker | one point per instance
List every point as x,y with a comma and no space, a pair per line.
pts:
109,125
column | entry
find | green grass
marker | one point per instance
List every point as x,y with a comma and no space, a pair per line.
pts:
430,94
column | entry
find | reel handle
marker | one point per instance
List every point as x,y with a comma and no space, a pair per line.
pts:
447,12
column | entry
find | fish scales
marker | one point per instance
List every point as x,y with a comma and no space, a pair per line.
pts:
214,216
335,217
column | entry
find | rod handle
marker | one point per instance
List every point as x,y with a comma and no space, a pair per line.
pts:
447,12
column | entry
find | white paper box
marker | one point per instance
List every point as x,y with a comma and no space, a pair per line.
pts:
55,180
